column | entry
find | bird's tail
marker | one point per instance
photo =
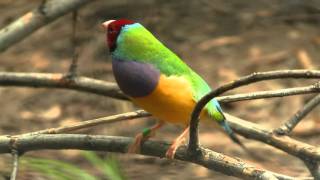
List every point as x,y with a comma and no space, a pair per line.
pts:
215,112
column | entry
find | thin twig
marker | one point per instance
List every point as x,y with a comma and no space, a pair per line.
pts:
289,125
15,164
211,160
255,77
35,19
270,94
74,61
92,123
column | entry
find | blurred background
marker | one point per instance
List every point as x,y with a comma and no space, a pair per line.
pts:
221,40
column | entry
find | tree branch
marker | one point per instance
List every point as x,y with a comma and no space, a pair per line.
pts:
210,159
35,19
270,94
109,89
91,123
15,164
284,143
57,80
255,77
307,153
314,168
310,155
253,131
72,72
289,125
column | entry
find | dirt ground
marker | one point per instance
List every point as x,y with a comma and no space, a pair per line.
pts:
221,40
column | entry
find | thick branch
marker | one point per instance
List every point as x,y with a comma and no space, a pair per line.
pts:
210,159
247,129
110,89
30,22
295,148
255,77
252,131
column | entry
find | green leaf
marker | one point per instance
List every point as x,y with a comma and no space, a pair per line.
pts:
110,167
56,169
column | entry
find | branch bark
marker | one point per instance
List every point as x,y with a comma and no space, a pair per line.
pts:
252,78
289,125
35,19
92,123
293,147
310,155
307,153
301,150
210,159
15,165
109,89
57,80
270,94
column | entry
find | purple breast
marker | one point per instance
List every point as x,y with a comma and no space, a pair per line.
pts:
135,79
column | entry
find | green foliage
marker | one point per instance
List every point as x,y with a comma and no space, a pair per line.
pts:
109,166
59,170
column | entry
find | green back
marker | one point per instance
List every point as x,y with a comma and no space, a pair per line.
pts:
138,44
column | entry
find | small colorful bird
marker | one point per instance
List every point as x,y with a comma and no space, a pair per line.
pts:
157,80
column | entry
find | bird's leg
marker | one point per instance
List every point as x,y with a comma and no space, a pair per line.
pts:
144,135
176,143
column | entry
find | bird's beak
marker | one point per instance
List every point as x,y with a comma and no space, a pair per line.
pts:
106,24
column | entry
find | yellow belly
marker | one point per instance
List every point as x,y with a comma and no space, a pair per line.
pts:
172,100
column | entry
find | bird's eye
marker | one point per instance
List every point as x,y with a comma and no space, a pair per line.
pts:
111,30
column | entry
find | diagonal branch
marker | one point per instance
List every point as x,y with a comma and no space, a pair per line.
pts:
91,123
293,147
210,159
255,77
289,125
35,19
310,155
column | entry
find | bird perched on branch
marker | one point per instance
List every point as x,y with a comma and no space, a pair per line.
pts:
157,80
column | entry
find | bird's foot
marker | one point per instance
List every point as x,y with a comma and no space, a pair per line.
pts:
143,136
171,151
176,143
135,146
173,148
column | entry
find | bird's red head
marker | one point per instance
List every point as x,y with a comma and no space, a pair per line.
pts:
113,28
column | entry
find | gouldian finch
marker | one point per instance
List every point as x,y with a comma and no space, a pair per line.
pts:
157,80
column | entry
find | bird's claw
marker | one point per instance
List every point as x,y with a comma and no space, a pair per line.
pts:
135,146
171,152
